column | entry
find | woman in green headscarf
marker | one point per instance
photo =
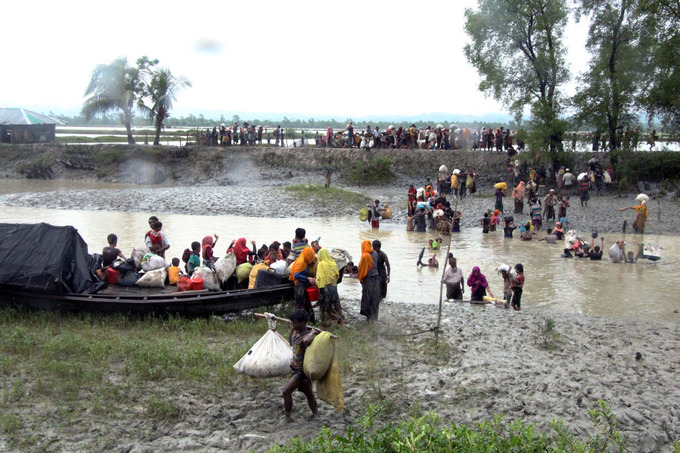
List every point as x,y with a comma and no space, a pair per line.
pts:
327,280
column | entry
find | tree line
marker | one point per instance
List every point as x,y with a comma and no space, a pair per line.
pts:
518,50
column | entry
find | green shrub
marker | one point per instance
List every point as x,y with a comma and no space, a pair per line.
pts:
375,171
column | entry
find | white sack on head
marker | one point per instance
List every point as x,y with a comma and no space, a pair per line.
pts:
420,192
642,197
225,266
503,267
153,279
456,171
443,169
341,257
581,176
209,278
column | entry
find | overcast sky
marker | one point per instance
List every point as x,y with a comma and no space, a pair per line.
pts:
297,58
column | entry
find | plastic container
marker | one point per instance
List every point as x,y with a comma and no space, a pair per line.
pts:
183,284
313,293
112,275
197,282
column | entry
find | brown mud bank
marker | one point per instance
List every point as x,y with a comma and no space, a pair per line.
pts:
248,181
215,166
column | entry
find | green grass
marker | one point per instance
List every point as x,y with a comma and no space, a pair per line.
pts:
323,196
429,433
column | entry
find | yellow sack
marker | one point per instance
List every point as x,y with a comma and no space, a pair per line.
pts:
387,213
318,356
243,272
363,214
329,389
501,185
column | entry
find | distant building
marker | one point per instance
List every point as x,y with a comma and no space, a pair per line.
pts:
25,126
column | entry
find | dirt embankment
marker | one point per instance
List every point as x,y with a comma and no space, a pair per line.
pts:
204,165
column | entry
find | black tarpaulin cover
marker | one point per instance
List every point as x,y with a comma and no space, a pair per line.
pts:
42,257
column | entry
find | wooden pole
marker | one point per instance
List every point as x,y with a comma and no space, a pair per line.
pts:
446,261
288,321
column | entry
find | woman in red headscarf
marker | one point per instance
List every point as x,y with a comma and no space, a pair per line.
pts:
208,245
241,250
495,220
369,277
300,274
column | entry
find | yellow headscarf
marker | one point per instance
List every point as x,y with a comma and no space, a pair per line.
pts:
366,262
326,271
306,258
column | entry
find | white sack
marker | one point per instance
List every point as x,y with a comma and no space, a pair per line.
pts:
137,255
225,266
153,263
280,267
269,357
209,278
153,279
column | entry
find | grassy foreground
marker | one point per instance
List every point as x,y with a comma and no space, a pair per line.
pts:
116,380
54,368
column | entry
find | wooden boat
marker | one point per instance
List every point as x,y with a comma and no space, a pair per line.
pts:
147,301
64,280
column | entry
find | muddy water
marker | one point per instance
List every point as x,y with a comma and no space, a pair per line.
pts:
645,290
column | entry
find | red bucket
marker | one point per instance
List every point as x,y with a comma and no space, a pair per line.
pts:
313,293
112,275
197,282
183,284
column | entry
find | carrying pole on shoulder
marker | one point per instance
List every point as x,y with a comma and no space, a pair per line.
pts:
287,321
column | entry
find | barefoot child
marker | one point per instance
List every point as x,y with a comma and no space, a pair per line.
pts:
301,336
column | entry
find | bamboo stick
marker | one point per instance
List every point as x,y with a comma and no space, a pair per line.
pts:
288,321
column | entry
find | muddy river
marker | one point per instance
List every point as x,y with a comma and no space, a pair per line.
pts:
645,290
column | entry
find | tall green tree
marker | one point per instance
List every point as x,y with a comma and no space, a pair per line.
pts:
607,92
160,90
116,86
518,51
662,87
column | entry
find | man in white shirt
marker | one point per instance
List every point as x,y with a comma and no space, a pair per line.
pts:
453,279
568,179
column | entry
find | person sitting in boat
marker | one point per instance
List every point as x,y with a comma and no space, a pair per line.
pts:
155,240
275,254
299,242
208,246
261,264
241,251
111,253
174,272
194,258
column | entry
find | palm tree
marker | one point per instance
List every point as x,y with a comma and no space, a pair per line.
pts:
114,86
161,90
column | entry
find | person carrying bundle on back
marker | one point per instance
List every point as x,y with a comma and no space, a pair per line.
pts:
301,336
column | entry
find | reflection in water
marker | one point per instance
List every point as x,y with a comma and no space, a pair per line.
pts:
644,290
